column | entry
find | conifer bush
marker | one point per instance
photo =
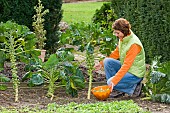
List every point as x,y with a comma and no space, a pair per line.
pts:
150,21
22,11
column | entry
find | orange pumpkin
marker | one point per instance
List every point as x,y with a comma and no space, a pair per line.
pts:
101,92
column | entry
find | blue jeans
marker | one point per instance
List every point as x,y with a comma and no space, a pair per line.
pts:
127,84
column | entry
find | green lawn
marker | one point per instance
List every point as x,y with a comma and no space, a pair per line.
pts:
78,12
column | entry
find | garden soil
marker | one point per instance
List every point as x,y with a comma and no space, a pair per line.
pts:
30,97
36,96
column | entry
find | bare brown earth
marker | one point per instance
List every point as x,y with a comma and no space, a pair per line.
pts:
36,97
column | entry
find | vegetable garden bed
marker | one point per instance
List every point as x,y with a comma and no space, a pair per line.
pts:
36,97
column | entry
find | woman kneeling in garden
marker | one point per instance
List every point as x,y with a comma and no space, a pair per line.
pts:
125,75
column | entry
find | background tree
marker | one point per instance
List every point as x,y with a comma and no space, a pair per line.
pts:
151,26
22,11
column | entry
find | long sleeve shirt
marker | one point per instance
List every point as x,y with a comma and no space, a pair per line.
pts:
129,59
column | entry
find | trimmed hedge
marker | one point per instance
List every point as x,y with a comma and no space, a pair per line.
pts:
22,11
150,21
105,16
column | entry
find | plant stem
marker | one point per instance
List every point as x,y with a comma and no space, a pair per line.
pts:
51,88
38,24
14,68
90,64
90,84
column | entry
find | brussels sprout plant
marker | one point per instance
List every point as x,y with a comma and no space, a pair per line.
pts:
16,43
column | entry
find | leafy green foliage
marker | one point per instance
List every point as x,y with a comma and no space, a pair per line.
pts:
86,37
164,98
79,33
115,106
59,67
22,11
21,37
124,106
3,87
105,15
71,76
3,78
35,79
37,69
156,76
73,82
16,42
2,59
158,85
108,43
151,26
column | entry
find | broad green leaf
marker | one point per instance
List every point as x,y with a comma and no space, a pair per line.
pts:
27,75
3,87
156,76
165,98
3,78
35,53
51,62
37,79
67,64
70,56
72,85
30,40
2,59
165,68
2,38
90,48
79,73
30,84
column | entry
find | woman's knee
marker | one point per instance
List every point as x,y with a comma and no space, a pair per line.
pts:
111,61
107,61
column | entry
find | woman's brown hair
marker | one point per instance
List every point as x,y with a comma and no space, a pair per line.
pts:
122,25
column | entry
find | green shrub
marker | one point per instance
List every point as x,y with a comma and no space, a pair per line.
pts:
150,21
22,11
52,20
105,16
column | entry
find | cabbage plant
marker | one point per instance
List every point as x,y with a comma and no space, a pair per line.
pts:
158,84
59,67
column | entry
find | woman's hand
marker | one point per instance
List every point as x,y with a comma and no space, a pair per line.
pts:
111,85
98,67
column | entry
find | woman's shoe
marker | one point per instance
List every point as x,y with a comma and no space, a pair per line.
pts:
138,90
116,94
